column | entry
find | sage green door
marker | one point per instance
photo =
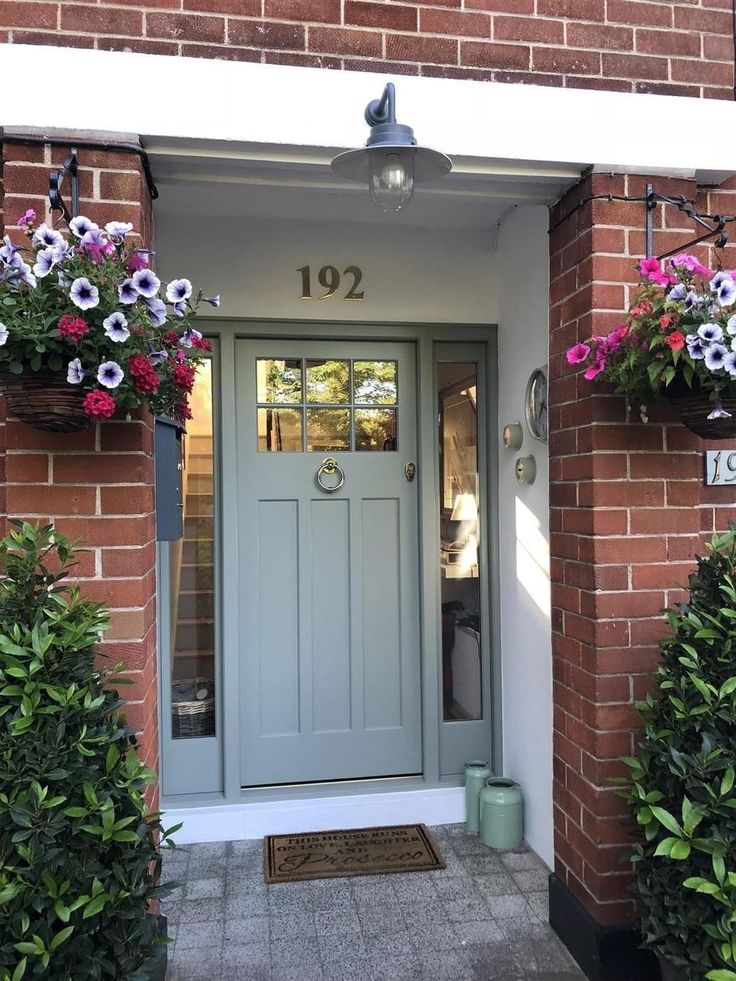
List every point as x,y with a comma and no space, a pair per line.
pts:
328,561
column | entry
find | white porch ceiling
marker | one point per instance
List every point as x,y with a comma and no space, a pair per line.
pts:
219,180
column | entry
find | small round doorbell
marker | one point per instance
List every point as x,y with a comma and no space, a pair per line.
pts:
526,469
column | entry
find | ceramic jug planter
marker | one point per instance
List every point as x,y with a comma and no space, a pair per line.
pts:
476,774
501,814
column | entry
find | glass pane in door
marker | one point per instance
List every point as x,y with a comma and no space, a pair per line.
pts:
193,607
460,570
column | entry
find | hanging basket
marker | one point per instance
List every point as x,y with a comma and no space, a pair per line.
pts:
694,405
44,400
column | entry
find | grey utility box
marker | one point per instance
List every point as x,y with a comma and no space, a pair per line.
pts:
169,467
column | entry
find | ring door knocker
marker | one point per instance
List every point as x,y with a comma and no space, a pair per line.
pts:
330,467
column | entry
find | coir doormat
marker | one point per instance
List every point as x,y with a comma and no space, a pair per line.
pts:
361,851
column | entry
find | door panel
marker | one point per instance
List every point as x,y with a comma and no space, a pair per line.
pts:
329,650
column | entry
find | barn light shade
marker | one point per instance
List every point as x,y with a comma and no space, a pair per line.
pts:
391,162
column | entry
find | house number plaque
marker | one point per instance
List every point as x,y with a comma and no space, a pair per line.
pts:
720,467
330,281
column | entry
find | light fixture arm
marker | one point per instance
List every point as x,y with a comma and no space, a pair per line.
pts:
382,110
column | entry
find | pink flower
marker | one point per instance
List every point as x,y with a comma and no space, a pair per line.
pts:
595,369
578,354
27,218
614,338
652,271
99,405
136,261
676,340
690,263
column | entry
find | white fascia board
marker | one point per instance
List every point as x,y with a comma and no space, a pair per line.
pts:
161,96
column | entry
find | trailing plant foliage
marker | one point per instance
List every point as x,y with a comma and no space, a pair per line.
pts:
78,858
683,793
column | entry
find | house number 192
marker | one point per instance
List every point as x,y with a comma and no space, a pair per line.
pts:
329,279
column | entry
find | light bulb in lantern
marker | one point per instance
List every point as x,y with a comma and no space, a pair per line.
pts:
391,179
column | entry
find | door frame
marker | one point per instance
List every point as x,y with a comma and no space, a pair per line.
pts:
223,749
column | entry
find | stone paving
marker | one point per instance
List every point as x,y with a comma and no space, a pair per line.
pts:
483,918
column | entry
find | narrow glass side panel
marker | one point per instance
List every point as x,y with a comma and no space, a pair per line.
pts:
457,388
193,604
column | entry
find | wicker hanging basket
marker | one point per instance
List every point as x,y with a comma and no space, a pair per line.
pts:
694,405
44,400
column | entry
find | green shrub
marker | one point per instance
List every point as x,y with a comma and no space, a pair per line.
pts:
682,793
78,857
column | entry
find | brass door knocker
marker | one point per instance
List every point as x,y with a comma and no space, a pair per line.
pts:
329,468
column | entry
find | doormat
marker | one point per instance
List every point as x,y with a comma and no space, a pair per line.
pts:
360,851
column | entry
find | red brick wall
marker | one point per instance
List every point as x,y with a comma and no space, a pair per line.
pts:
682,48
97,485
628,513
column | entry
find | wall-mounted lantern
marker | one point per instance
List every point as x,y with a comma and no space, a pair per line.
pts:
391,162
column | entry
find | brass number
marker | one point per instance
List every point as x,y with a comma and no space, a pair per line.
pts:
306,288
328,277
357,274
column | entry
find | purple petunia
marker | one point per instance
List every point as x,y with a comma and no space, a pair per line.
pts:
710,333
719,413
127,293
180,308
178,290
18,271
146,283
158,357
715,356
84,294
8,249
3,334
724,287
695,347
45,236
190,336
678,292
75,372
116,327
110,374
80,225
118,229
214,301
46,259
729,363
156,310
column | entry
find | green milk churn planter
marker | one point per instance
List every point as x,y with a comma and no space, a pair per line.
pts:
476,774
501,813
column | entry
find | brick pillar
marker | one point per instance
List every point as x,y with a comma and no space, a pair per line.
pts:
97,486
627,514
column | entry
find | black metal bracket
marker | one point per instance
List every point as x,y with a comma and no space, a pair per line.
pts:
56,181
714,225
382,110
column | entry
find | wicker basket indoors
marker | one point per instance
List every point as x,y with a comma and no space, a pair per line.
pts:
192,715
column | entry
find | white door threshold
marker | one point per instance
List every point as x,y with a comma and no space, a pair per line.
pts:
235,822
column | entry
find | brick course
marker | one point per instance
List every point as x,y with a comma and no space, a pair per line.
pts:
680,48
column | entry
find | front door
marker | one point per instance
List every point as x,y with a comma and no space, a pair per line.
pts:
328,561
